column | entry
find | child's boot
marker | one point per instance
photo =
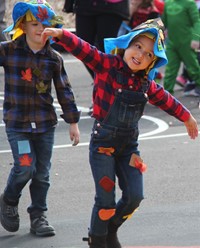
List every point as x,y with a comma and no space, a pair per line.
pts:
112,239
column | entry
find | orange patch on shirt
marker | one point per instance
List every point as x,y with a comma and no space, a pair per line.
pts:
27,75
108,151
106,183
25,160
106,214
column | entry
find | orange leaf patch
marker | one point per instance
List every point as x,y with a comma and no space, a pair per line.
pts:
140,166
108,151
25,160
27,75
43,14
138,163
106,214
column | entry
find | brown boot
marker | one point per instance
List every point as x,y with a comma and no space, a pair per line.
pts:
112,239
96,241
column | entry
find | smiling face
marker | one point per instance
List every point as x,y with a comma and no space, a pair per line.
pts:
139,55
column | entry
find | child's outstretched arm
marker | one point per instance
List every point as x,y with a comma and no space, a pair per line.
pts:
51,32
192,128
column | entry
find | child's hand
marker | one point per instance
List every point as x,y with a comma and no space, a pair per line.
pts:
51,32
195,44
192,128
74,133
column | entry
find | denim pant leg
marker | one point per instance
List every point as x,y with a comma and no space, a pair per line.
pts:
101,166
43,146
111,162
130,182
24,164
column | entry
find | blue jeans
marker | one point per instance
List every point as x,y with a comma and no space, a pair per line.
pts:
113,142
130,179
32,161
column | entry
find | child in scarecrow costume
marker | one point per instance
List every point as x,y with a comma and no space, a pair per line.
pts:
123,85
30,66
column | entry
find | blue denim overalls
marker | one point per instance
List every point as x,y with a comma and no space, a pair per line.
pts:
112,143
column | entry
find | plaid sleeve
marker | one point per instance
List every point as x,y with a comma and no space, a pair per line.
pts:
65,94
161,98
88,54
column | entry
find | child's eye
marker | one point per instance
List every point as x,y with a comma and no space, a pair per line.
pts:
138,46
150,55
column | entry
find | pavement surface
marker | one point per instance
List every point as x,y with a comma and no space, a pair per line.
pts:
169,216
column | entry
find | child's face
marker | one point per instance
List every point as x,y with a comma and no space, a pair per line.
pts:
139,55
33,31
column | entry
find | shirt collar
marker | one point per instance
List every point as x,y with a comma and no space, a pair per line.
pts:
22,44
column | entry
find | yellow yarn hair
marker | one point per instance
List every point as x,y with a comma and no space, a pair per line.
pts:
148,35
17,31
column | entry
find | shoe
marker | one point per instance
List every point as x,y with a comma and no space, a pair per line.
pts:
191,90
96,241
181,80
9,216
40,226
112,241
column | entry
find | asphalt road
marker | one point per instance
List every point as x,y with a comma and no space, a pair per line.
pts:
170,212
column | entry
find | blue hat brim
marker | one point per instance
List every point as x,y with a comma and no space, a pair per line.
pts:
45,16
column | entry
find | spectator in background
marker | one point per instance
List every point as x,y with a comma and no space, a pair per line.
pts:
141,11
184,77
181,19
145,10
96,20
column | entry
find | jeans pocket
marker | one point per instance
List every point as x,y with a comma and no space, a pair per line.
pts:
130,113
101,134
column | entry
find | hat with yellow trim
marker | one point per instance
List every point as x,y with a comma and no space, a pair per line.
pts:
31,10
153,29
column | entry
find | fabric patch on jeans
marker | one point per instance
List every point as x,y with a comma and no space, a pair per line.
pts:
129,215
108,151
23,147
106,214
138,163
106,183
25,160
